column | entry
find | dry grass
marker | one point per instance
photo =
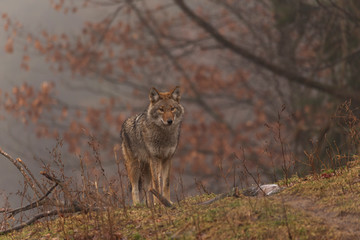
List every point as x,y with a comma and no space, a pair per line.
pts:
308,209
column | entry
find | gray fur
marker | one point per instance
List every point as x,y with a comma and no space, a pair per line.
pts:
149,141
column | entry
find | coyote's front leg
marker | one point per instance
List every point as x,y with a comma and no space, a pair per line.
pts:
165,175
155,175
133,169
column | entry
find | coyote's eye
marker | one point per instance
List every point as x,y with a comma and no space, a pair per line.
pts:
161,109
172,109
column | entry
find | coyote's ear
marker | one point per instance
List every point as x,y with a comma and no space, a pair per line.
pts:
175,94
154,95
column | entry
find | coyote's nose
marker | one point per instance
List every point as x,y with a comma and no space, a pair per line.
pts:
169,121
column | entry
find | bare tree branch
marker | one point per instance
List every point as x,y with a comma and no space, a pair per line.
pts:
20,167
31,205
40,216
289,75
178,67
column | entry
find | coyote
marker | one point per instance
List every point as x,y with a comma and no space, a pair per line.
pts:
149,141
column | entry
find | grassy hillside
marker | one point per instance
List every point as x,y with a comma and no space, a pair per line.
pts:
324,206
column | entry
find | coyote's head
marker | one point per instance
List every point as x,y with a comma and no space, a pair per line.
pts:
164,108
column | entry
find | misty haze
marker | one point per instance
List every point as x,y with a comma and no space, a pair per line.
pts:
270,91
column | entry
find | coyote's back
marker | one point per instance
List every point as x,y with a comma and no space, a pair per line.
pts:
149,141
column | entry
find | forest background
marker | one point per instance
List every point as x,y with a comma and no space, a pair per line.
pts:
267,81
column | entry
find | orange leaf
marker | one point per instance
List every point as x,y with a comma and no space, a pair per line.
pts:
9,46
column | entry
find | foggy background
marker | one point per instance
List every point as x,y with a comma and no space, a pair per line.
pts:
248,72
17,139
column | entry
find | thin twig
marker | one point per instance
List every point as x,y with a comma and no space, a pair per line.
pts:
59,182
117,160
249,173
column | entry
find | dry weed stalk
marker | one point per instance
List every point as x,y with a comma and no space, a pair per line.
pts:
97,197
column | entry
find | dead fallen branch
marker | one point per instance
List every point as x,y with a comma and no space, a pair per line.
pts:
32,205
42,199
31,175
161,198
68,206
266,190
40,216
233,193
263,190
74,208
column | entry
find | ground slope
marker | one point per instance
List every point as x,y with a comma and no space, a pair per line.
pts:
323,206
